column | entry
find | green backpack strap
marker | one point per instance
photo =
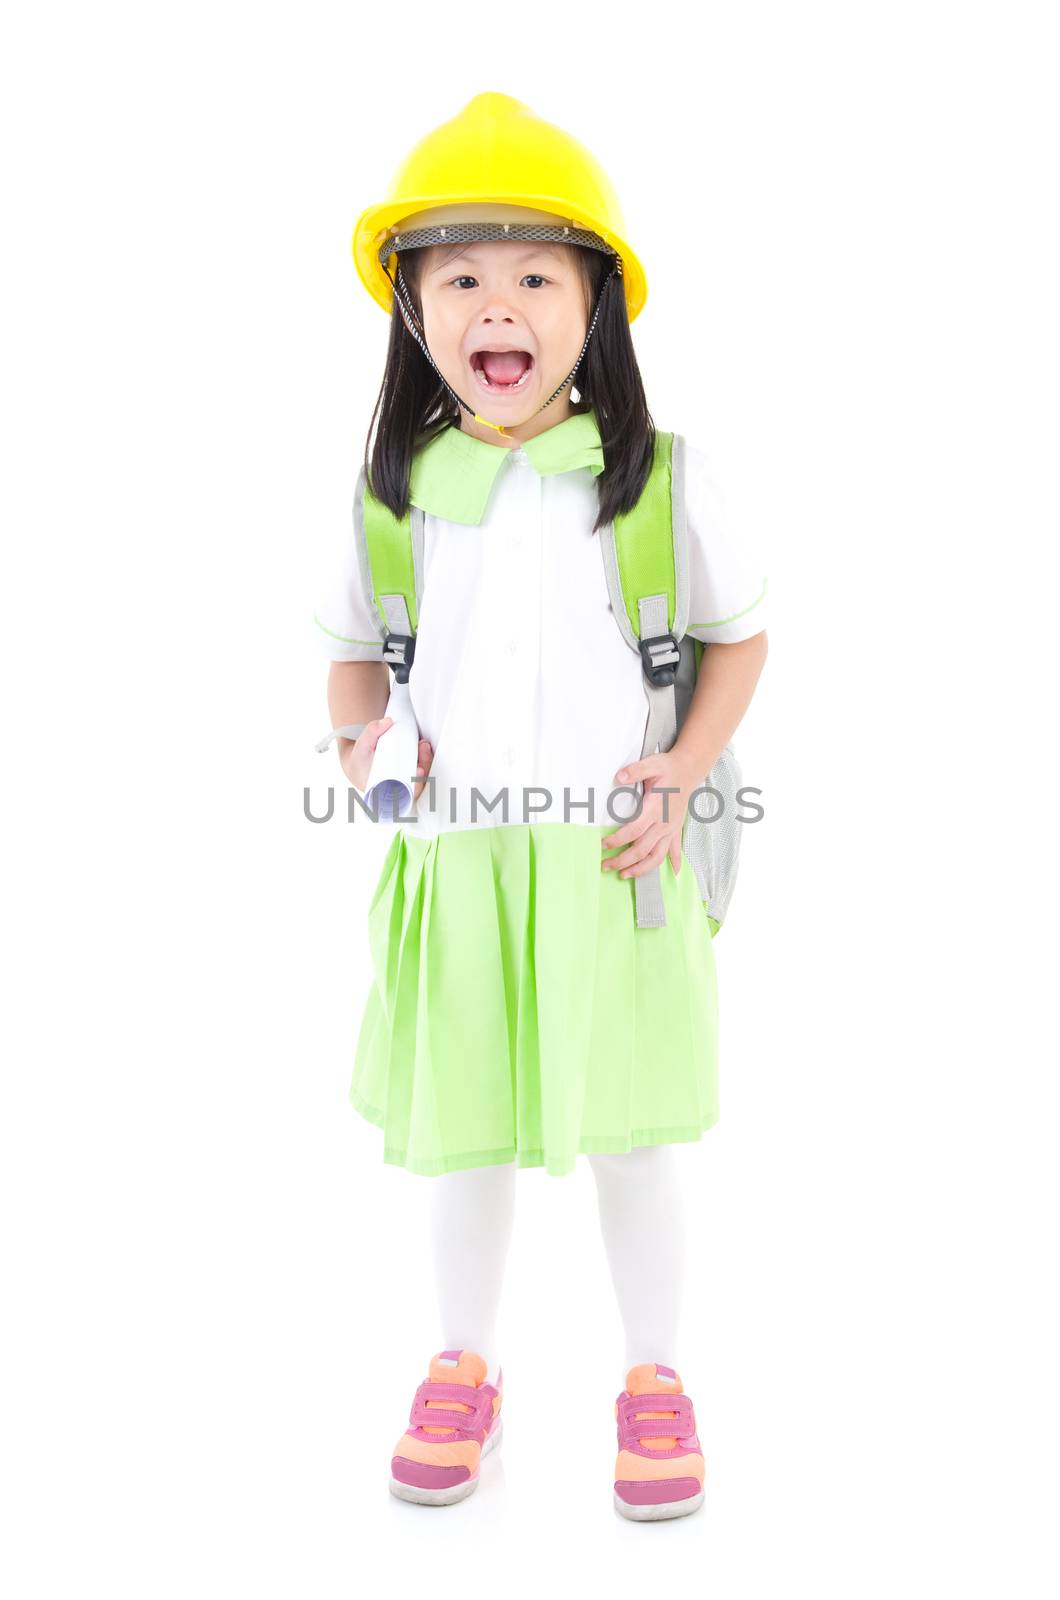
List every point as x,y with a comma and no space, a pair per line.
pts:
390,556
645,555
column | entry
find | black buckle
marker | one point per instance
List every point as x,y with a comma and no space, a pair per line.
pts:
660,673
398,652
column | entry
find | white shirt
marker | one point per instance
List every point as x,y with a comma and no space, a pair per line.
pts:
521,677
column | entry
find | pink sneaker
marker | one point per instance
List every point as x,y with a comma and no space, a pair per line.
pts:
455,1420
660,1467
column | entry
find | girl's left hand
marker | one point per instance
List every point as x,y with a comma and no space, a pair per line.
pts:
650,838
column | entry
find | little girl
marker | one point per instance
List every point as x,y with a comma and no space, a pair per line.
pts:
523,1010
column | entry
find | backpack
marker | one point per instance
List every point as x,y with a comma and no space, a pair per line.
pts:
645,555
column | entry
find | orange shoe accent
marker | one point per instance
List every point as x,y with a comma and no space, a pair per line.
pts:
632,1466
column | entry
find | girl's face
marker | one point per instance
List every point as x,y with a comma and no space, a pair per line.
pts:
505,322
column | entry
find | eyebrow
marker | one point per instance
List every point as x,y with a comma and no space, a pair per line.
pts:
524,255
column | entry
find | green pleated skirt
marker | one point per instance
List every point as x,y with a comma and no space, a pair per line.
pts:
517,1012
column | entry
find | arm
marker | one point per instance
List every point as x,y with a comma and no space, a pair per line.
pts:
724,688
358,691
725,684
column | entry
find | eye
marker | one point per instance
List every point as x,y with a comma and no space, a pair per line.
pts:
467,278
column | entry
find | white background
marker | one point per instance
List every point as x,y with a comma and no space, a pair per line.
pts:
218,1298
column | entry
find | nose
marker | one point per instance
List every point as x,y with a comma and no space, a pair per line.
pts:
497,310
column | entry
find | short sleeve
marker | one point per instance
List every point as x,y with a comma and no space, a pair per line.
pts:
727,587
344,622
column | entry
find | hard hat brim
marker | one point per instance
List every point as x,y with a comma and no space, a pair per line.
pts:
375,222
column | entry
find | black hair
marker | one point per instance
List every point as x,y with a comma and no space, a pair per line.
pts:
414,404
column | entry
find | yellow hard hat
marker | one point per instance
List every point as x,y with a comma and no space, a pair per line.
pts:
494,159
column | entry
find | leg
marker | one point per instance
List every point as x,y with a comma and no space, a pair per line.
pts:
471,1225
642,1221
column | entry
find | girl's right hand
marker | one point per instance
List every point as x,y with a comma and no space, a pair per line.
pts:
356,763
356,759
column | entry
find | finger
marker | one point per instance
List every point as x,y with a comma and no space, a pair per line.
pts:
649,814
634,771
646,863
649,811
640,849
628,832
620,835
676,854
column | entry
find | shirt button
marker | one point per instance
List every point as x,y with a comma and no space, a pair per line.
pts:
512,647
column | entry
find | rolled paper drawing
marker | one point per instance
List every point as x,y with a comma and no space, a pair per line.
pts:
388,792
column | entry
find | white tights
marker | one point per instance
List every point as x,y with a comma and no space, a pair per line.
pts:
642,1222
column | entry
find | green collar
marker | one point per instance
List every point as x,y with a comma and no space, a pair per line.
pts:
453,474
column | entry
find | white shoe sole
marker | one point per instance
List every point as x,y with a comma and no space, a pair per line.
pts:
456,1491
667,1508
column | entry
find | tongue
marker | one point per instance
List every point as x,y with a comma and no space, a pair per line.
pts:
504,366
457,1366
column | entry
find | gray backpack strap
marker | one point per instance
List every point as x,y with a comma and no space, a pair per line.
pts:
660,731
658,645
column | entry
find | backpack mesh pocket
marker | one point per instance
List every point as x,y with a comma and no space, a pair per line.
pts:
713,846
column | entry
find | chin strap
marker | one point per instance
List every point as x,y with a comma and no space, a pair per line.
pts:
412,323
498,427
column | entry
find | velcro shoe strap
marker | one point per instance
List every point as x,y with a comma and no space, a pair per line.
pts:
678,1426
439,1416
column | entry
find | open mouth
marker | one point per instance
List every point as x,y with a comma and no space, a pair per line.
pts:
502,371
